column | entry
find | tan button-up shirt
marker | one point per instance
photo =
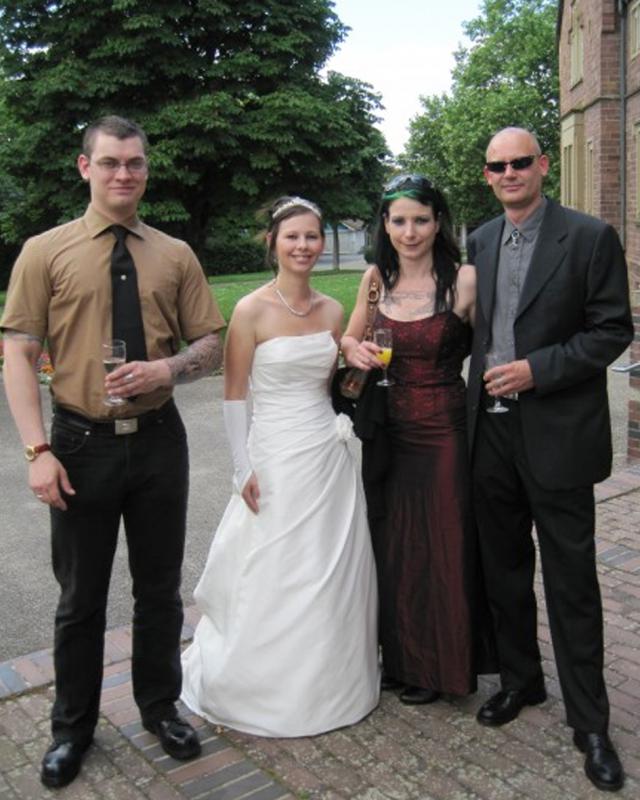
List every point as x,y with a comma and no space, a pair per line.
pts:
60,290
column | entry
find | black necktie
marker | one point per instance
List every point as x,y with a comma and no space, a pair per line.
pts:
127,316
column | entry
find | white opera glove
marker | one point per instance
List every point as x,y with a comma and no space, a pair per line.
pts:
236,425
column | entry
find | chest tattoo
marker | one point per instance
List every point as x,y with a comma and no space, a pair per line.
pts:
409,304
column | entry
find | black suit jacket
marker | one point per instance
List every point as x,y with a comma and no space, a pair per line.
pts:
573,320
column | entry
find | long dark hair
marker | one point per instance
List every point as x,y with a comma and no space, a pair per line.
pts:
446,253
284,208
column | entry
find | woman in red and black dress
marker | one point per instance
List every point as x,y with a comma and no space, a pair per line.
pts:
425,543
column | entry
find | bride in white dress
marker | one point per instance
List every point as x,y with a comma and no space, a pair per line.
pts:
287,641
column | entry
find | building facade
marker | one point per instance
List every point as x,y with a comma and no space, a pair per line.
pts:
599,56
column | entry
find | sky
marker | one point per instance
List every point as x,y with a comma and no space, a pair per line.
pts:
404,49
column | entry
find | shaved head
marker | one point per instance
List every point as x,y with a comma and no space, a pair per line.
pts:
523,135
515,168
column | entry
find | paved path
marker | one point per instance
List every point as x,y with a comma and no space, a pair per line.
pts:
29,592
398,752
433,752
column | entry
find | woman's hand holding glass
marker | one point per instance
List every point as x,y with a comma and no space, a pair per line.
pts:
363,355
383,338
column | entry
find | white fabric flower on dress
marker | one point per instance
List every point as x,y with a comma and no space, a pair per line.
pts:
344,428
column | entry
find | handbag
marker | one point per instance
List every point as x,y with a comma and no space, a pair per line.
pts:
353,379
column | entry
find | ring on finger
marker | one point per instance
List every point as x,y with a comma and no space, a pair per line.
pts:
129,377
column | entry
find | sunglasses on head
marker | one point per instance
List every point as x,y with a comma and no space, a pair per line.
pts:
524,162
407,182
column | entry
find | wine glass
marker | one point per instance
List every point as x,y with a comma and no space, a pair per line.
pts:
496,359
114,354
383,338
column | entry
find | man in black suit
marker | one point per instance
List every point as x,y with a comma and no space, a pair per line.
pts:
553,308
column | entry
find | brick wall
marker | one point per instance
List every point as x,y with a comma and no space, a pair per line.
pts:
633,240
597,98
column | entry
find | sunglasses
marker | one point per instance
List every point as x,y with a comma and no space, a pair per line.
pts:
524,162
407,182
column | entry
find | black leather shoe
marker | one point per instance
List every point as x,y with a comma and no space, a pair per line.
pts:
415,696
602,765
505,706
177,737
61,763
388,684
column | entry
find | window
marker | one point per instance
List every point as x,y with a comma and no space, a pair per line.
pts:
567,175
573,161
588,178
634,28
636,142
576,42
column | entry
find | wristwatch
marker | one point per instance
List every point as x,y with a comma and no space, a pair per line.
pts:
32,451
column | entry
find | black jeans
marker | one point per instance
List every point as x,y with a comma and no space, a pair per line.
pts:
142,478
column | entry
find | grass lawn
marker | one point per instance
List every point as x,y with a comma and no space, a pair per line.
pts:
228,289
339,284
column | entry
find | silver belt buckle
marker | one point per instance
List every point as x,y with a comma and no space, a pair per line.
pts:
123,426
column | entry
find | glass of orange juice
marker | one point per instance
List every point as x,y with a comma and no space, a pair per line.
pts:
383,338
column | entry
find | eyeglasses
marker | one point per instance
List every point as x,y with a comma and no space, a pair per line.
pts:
134,166
407,182
524,162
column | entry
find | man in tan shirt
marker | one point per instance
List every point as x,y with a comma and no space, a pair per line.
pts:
105,463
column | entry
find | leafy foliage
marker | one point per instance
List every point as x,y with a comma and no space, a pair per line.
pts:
508,76
229,257
230,95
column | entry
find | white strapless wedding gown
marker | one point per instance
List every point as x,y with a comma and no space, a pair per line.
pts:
287,644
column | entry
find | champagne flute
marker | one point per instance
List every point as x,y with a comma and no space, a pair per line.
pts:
114,354
496,359
384,339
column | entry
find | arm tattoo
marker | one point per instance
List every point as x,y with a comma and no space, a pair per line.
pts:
200,358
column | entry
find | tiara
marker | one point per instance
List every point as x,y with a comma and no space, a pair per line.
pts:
292,203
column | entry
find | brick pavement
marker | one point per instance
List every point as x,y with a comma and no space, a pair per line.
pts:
436,752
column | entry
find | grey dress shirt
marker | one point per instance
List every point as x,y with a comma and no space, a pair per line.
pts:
516,250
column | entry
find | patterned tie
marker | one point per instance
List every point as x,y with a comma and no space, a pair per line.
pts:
125,300
514,239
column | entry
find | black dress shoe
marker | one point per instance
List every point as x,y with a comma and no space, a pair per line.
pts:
505,706
177,737
388,684
602,765
415,696
61,763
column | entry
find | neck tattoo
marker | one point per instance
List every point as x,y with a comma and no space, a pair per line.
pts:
291,309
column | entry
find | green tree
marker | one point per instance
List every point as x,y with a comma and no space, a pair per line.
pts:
350,184
9,196
229,93
507,76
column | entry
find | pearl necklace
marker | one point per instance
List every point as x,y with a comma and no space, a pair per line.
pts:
289,308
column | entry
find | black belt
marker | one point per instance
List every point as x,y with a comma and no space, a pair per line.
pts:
113,427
